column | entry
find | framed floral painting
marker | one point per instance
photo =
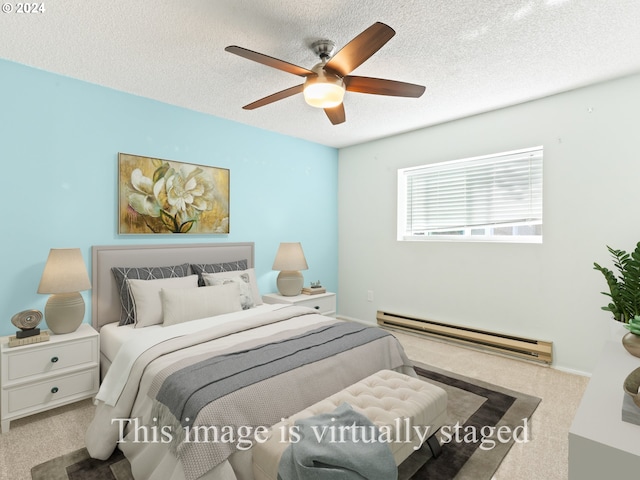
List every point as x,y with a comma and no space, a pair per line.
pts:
164,196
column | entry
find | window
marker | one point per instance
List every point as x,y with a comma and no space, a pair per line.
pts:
489,198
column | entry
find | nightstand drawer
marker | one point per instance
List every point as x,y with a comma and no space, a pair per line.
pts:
50,358
52,391
322,304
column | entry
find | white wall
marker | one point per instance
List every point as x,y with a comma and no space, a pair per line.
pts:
548,291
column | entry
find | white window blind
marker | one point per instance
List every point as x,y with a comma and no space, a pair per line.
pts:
491,197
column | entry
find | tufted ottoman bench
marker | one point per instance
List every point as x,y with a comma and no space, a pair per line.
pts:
403,405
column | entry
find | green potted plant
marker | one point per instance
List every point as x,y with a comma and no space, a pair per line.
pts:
624,288
624,292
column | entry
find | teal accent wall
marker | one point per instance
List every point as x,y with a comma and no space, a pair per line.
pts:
59,144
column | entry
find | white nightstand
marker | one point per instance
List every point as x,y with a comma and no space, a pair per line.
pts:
41,376
325,303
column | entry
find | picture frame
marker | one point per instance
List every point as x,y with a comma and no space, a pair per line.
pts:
157,196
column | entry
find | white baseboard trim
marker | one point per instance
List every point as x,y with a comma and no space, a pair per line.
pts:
572,371
357,320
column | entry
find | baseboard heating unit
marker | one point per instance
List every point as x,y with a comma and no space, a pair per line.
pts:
536,350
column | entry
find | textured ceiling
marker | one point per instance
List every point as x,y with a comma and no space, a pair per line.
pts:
472,55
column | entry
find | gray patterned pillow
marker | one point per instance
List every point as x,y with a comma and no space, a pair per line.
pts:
200,268
122,274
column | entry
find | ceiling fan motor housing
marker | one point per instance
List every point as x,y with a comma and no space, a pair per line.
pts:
324,49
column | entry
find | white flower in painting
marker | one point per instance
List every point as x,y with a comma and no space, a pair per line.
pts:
143,200
186,191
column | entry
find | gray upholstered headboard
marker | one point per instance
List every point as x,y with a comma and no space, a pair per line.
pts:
105,303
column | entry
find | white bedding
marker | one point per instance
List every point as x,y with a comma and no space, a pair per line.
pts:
330,375
113,336
135,341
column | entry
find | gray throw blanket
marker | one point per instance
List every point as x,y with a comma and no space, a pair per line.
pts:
185,392
340,445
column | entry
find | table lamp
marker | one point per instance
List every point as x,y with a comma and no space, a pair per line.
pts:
290,260
64,276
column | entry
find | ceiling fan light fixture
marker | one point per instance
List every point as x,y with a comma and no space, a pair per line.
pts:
324,95
323,90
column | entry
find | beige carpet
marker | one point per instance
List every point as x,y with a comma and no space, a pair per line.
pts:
36,439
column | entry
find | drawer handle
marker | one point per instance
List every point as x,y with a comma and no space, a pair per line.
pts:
54,390
54,359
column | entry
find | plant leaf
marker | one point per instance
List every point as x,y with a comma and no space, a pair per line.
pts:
169,221
186,226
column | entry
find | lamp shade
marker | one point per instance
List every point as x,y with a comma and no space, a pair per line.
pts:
64,272
290,257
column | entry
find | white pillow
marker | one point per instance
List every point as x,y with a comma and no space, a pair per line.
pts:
246,279
146,297
183,304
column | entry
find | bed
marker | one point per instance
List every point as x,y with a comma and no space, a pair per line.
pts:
186,394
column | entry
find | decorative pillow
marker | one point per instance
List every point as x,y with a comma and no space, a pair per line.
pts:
200,268
183,304
249,278
146,297
240,281
121,274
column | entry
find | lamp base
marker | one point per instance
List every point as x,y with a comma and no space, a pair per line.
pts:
290,283
64,312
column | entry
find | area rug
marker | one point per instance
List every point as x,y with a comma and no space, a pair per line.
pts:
485,420
79,465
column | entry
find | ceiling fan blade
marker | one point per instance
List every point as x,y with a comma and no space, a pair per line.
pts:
336,114
354,53
380,86
269,61
274,97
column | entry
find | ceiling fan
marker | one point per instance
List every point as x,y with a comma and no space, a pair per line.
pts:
327,81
